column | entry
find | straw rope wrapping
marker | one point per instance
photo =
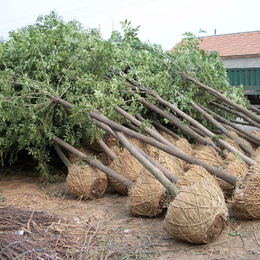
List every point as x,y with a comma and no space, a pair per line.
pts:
246,198
127,166
198,214
209,155
147,197
167,136
242,139
184,145
86,182
195,174
120,150
74,159
256,155
234,166
233,143
168,161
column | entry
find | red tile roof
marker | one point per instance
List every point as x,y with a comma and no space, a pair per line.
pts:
234,45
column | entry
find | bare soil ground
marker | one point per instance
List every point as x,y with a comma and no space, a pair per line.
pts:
103,229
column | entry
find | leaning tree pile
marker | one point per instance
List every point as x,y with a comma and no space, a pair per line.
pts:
163,122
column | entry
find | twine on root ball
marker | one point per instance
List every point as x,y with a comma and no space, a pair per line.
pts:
199,146
147,197
86,182
233,143
195,174
127,166
74,159
168,161
209,155
184,145
256,155
168,137
234,166
198,214
245,203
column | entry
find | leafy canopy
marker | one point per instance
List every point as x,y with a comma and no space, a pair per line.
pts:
57,58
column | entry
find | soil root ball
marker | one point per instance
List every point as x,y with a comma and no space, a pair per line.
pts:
127,166
198,214
86,182
234,166
195,174
246,197
147,197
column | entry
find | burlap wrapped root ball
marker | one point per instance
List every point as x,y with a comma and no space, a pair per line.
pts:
245,203
85,181
234,166
128,166
147,197
198,214
168,161
195,174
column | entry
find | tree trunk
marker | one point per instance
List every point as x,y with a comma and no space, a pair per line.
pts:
168,149
236,113
149,166
217,94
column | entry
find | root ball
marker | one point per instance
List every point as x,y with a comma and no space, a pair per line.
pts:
256,155
234,166
168,161
127,166
147,196
195,174
209,155
86,182
246,198
198,214
184,145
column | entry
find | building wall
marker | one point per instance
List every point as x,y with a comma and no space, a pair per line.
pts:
242,63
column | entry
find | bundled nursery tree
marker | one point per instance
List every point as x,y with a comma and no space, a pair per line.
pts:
54,58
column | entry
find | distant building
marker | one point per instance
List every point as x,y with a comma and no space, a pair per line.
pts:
240,54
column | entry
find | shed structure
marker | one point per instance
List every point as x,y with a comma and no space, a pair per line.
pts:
240,54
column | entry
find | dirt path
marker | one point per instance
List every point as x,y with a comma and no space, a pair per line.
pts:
107,231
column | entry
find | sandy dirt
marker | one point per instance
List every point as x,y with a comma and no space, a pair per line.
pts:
103,228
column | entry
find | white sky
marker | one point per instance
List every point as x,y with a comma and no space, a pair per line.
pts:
162,21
